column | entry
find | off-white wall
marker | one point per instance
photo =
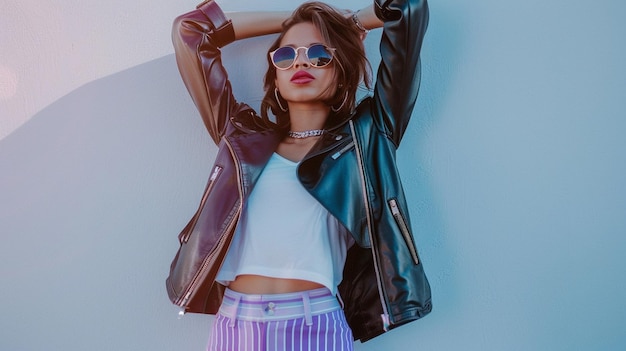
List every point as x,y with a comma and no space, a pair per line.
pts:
513,166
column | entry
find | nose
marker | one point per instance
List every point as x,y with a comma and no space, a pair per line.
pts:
301,60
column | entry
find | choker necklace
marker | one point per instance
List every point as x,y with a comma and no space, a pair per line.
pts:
306,133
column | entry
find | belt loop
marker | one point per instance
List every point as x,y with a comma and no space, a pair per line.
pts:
306,302
231,321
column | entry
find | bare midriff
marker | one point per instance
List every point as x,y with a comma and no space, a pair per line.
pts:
257,284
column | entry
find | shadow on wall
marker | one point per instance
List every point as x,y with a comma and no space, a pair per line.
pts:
94,189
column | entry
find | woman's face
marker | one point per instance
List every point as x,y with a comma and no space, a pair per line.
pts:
303,83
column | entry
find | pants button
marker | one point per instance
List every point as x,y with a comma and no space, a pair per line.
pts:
270,308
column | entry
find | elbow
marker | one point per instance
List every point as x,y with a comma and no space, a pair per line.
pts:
421,10
418,9
184,26
393,10
188,27
178,29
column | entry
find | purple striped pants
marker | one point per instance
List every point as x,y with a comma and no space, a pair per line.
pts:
303,321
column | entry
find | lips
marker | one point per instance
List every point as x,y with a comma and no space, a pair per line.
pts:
301,77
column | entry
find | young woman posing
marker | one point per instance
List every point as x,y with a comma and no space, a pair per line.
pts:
302,240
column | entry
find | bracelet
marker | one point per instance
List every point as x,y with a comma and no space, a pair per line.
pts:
358,24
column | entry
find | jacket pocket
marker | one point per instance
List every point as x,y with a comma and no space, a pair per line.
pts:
217,170
404,229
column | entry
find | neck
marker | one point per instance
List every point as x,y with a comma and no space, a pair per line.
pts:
307,117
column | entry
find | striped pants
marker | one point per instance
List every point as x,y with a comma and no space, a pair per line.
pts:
303,321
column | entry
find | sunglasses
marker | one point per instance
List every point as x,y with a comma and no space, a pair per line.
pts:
318,56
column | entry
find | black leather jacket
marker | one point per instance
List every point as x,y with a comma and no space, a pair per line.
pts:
351,171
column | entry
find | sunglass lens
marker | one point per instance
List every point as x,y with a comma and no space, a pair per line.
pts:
284,57
319,55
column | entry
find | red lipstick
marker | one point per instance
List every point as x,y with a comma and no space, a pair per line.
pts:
301,77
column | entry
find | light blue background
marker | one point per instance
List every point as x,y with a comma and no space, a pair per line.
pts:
513,164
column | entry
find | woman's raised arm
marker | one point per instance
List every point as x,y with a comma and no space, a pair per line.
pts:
254,24
398,77
197,37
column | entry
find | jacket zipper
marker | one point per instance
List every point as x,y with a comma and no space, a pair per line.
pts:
385,315
404,229
216,172
220,244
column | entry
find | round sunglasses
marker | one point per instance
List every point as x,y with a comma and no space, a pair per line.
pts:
318,56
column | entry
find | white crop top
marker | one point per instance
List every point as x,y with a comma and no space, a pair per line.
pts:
284,232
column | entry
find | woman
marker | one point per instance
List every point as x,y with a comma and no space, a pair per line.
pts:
302,236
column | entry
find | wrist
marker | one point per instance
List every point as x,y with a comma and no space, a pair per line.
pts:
357,22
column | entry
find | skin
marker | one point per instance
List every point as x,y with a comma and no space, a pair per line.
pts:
304,98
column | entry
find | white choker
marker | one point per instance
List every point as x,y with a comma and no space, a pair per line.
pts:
306,133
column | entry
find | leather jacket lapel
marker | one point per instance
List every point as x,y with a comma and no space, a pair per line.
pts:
253,150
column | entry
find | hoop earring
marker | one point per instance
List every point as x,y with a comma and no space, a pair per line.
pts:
278,101
345,98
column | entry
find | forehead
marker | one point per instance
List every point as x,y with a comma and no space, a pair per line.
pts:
302,34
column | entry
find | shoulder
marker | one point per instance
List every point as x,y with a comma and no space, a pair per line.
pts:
245,119
363,111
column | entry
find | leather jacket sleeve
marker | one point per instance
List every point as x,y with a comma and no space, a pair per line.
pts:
197,37
398,77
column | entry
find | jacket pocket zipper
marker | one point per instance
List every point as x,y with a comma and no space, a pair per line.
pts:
216,172
343,150
208,261
404,229
182,303
196,282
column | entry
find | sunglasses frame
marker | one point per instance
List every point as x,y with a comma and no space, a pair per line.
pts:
306,54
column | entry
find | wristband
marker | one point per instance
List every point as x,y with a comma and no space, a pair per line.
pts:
358,24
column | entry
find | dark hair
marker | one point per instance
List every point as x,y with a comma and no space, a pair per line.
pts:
351,65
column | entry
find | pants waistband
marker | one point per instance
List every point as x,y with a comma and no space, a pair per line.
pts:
274,307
